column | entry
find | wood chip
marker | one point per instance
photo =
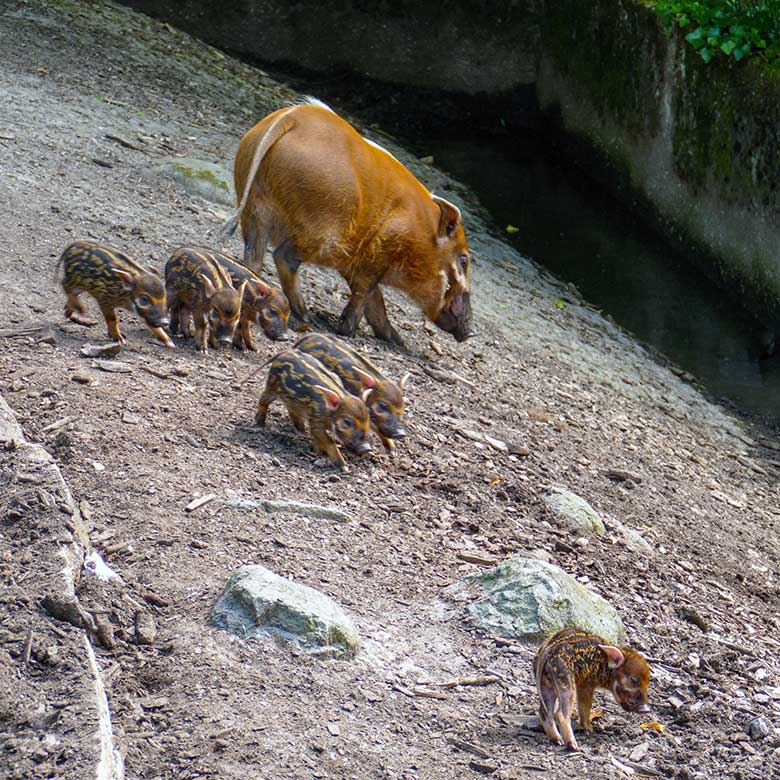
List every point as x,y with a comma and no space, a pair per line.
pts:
618,475
474,556
487,679
55,426
112,366
469,747
197,503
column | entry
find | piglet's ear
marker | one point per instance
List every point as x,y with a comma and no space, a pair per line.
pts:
614,656
367,379
332,398
127,280
208,286
262,289
364,395
241,290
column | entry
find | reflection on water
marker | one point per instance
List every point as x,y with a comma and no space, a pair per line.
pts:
583,238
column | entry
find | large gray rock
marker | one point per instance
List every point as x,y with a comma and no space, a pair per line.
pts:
524,598
576,512
198,177
257,601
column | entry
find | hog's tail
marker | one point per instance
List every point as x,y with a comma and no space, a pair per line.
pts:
272,135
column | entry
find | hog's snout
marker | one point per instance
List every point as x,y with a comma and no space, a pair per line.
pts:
225,338
399,433
162,322
456,318
362,448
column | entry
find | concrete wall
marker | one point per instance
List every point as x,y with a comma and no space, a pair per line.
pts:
468,46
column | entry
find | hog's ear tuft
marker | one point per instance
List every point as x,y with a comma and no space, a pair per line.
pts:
449,219
614,656
364,395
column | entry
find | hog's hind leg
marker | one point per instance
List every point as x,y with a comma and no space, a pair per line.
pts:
287,264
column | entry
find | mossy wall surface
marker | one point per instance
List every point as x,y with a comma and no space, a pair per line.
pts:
695,146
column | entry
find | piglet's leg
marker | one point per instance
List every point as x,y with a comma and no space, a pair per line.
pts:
161,335
73,305
547,709
185,321
565,696
584,702
376,316
111,323
265,401
322,443
287,265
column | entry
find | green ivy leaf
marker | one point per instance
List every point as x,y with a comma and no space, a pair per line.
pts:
696,38
705,54
727,47
560,304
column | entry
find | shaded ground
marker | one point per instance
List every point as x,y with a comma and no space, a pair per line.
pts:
138,446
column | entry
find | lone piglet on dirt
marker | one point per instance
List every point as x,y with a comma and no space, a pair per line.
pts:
570,665
115,281
312,393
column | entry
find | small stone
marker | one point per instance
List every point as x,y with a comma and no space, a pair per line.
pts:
130,418
145,629
82,379
101,350
518,449
334,729
759,728
576,512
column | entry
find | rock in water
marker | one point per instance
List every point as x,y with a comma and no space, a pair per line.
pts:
523,598
575,511
257,601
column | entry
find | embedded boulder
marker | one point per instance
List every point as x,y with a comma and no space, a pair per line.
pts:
257,601
524,598
197,177
576,512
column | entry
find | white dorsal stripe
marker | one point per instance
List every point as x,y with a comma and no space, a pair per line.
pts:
313,101
381,148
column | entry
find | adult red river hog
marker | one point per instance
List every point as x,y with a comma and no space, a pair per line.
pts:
318,192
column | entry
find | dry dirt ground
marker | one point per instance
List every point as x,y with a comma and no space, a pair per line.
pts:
135,448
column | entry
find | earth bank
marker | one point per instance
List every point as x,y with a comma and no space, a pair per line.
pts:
595,413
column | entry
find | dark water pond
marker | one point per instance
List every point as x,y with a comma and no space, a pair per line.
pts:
584,237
